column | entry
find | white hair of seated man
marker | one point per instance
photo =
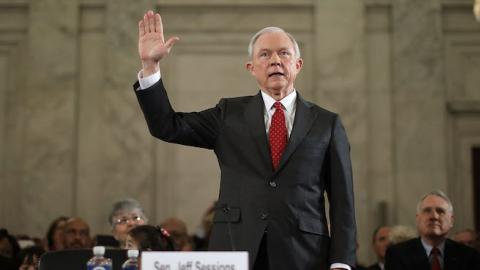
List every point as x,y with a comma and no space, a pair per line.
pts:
401,233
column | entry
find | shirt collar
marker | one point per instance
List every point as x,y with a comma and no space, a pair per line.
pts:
288,102
428,248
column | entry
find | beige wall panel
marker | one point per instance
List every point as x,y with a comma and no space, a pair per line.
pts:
462,60
259,3
380,178
463,65
13,28
116,148
236,19
419,104
465,126
91,126
340,86
49,148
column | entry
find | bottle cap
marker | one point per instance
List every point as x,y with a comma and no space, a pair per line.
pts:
98,250
132,253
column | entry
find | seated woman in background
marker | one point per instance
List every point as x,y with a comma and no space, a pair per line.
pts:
126,214
55,234
149,238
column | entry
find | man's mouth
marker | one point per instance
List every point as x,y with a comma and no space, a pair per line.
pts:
275,74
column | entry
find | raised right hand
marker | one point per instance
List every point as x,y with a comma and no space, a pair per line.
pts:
151,43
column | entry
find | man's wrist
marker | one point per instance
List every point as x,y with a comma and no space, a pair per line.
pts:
147,81
150,67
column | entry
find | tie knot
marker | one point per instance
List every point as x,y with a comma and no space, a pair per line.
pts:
277,105
435,251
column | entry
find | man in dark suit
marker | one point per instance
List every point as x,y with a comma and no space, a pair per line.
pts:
432,250
278,154
380,242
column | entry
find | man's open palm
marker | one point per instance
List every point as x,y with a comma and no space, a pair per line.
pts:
151,43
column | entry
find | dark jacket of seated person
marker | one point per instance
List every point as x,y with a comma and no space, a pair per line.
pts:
411,255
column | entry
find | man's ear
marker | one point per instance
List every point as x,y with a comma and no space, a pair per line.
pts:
299,64
249,66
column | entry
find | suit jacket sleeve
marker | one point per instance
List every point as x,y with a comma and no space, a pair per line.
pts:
198,129
340,195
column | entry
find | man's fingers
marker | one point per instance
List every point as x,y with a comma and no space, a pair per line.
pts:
171,41
158,23
151,21
141,29
159,26
145,23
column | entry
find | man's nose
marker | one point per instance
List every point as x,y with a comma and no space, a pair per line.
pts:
275,59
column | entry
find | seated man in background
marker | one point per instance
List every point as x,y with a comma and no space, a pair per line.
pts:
466,237
432,250
380,243
77,234
126,214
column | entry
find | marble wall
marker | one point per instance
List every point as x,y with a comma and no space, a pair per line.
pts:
403,74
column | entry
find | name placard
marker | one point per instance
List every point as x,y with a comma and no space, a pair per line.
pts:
212,260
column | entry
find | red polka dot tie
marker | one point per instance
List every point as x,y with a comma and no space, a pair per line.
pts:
277,135
435,253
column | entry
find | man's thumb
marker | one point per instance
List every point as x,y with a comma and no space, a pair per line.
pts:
171,41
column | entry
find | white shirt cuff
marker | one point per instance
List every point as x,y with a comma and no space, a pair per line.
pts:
149,80
340,265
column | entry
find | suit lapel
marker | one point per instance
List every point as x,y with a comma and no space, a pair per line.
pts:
304,119
419,256
451,256
254,116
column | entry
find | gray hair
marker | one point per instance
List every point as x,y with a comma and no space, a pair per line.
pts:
272,29
401,233
437,193
123,206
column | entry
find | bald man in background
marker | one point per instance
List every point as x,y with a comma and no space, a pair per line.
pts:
77,234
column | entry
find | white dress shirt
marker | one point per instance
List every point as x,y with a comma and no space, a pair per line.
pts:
428,250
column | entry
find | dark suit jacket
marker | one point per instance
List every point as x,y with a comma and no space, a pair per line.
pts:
289,203
411,255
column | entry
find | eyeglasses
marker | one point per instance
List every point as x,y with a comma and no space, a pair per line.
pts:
125,220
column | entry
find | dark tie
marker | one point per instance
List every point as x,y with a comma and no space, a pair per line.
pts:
435,253
277,135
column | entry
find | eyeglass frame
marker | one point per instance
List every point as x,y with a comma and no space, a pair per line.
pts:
125,220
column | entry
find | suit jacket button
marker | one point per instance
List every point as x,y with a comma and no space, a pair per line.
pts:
264,216
273,184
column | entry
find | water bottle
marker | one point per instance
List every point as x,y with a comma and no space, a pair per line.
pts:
98,262
132,262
